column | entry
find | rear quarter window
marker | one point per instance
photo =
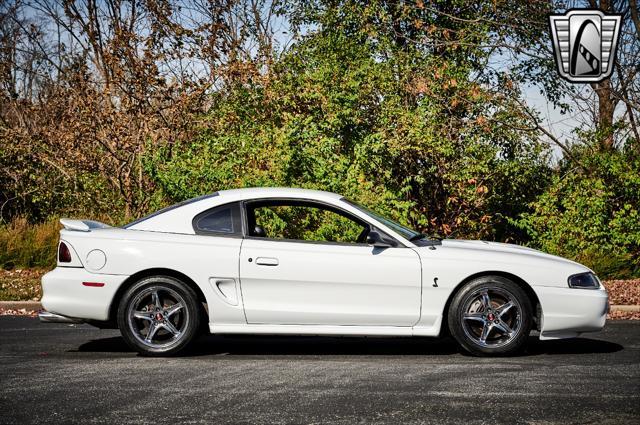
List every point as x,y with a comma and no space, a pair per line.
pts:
221,220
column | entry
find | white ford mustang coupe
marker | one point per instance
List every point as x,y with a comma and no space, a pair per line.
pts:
303,262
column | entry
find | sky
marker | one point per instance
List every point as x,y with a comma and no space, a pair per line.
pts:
558,124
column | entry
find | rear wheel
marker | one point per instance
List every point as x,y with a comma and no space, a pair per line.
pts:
491,315
159,316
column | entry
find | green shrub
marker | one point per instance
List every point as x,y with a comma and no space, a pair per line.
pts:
410,135
592,213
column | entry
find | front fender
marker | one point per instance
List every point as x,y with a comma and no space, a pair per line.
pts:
445,268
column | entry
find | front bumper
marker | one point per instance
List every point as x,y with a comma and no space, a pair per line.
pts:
568,312
65,293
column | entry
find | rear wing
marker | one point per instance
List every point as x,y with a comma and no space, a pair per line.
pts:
82,225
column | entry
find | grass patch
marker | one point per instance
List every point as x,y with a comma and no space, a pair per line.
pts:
24,245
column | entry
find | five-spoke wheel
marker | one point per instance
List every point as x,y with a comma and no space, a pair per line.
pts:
490,315
159,315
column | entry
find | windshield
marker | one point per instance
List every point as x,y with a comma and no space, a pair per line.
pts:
405,232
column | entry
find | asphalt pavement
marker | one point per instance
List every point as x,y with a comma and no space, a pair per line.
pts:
54,373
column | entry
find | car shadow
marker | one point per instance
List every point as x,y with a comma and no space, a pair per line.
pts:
570,346
230,345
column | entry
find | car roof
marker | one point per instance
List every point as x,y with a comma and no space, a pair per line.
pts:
177,218
274,192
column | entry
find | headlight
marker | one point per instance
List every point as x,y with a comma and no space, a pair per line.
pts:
586,280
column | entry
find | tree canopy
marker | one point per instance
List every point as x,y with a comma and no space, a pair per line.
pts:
417,109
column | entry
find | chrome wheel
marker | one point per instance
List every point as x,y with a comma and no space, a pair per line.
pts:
491,317
157,317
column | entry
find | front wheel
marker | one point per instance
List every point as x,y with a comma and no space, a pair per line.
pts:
159,316
491,315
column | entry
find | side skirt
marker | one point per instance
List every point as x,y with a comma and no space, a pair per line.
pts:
319,330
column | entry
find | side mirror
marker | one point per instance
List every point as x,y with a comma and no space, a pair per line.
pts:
377,240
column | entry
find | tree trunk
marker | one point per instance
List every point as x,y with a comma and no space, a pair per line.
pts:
606,100
606,107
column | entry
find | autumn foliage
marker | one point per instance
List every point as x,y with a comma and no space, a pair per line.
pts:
112,109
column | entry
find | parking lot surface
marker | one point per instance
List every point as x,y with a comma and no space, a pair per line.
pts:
54,373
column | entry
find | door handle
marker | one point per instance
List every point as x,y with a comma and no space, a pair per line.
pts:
267,261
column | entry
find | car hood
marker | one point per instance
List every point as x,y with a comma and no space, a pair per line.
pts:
455,260
504,248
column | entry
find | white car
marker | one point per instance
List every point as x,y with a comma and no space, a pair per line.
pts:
304,262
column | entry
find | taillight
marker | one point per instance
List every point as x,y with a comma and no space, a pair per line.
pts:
64,255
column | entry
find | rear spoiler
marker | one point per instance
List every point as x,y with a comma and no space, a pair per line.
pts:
82,225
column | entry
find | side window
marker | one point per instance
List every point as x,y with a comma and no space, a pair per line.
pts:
306,222
224,219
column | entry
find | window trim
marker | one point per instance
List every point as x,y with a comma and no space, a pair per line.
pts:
313,203
236,217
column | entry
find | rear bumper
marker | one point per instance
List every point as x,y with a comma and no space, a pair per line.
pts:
65,294
568,312
48,317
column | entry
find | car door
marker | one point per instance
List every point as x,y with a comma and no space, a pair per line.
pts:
318,272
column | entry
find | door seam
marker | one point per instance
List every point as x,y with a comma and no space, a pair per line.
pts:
244,310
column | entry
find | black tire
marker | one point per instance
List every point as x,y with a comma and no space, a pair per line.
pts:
470,320
173,315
